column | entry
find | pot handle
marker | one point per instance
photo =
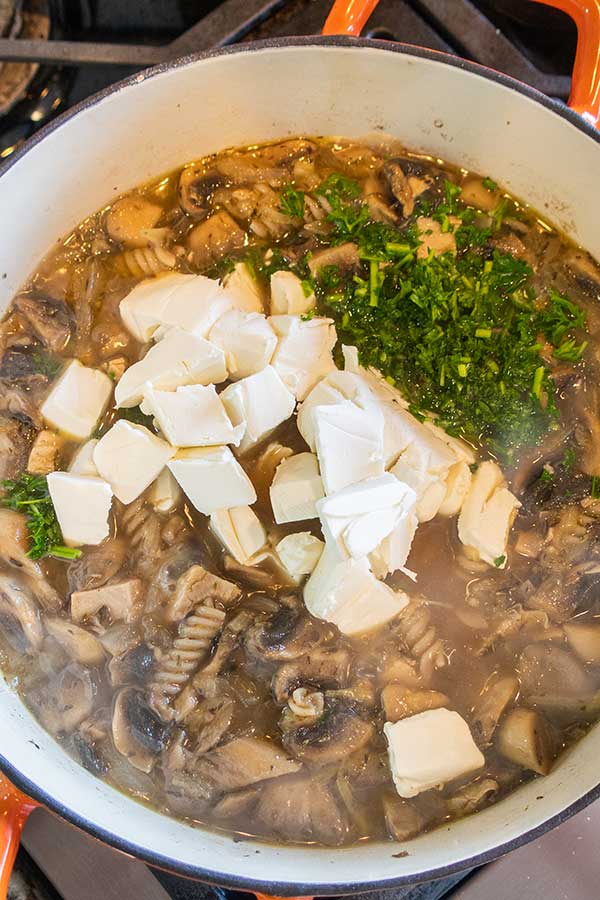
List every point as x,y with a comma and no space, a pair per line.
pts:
585,86
15,808
349,16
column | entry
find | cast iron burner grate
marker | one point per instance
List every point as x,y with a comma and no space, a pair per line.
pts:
84,45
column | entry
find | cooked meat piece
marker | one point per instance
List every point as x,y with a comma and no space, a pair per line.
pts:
302,809
19,614
287,634
134,665
530,622
16,439
122,600
96,565
198,586
399,702
320,669
52,320
433,239
43,456
491,706
514,246
138,733
242,762
77,642
214,238
337,733
546,668
343,256
66,700
474,193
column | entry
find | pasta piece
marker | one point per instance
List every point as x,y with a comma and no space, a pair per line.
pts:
419,633
143,529
144,261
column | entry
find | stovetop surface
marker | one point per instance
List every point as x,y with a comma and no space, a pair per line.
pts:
523,39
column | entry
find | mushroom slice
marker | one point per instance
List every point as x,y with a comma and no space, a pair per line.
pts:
524,738
96,565
20,613
337,733
399,186
492,704
52,320
302,809
187,794
130,219
213,238
233,805
472,796
138,733
14,543
287,634
16,439
209,723
134,665
403,820
77,642
67,700
343,256
242,762
321,669
584,638
197,184
547,669
398,702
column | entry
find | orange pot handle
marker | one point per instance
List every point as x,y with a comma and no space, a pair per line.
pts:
15,808
585,87
349,16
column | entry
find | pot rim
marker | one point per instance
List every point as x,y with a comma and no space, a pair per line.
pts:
166,862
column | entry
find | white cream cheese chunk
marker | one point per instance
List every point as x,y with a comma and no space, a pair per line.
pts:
77,400
180,358
303,355
247,340
143,308
487,514
300,553
212,479
288,295
430,749
349,444
192,416
240,531
82,506
130,457
458,483
360,517
83,460
193,306
261,401
165,493
346,593
243,289
296,488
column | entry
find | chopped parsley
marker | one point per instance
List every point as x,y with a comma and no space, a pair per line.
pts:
595,487
569,459
47,363
29,494
292,202
489,184
136,417
499,561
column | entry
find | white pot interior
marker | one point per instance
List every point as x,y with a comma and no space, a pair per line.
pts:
155,123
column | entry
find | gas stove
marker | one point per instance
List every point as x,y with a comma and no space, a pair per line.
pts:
54,53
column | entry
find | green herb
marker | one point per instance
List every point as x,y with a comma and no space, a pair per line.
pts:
569,458
569,350
499,561
595,488
136,417
308,287
546,476
499,213
339,187
347,215
489,184
307,316
47,363
292,202
29,494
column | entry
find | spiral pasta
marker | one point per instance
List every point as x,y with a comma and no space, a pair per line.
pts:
415,627
145,261
143,529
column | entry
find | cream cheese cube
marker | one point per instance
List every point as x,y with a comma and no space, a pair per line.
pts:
349,444
303,355
240,531
247,340
77,400
143,307
243,289
487,514
458,483
392,552
288,295
300,553
323,394
262,401
193,306
430,749
346,593
165,493
360,517
179,359
83,460
296,488
82,507
212,479
192,416
130,457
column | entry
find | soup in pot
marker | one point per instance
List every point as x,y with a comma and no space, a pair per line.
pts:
301,492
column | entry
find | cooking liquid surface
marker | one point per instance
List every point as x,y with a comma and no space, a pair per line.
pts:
488,619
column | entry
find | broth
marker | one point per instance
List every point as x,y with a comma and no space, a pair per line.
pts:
184,692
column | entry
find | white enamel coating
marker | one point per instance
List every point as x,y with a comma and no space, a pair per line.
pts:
160,121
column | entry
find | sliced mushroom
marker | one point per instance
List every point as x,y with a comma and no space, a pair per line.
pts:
399,186
343,256
491,706
66,700
20,403
320,669
121,600
213,238
43,456
547,669
197,184
96,565
89,755
302,809
130,219
403,820
287,634
52,320
20,614
77,642
524,738
134,666
584,638
474,193
237,804
187,794
472,796
209,723
398,702
16,439
242,762
138,733
337,733
196,586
